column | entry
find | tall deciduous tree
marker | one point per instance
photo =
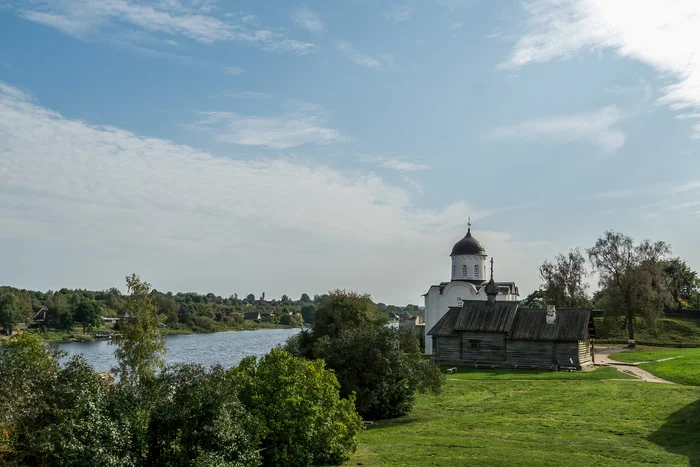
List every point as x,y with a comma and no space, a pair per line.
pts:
89,314
632,277
141,345
684,282
341,310
564,280
10,312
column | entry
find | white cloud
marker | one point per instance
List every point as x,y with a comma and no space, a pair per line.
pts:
592,127
302,124
398,164
399,13
664,34
111,19
94,203
234,71
309,20
381,62
686,187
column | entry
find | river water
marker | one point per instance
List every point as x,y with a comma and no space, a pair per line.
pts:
223,348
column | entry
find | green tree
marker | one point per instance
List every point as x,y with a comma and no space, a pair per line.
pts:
303,419
168,307
141,345
60,313
305,298
307,312
75,423
28,368
564,280
631,277
535,300
197,419
341,310
683,281
382,366
89,314
10,312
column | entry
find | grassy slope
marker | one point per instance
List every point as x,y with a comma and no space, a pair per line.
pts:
682,370
490,421
666,331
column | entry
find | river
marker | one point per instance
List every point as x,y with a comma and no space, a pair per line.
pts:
223,348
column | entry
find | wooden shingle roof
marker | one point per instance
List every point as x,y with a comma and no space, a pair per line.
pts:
570,325
446,325
480,316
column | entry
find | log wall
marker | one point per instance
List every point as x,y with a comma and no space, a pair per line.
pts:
446,348
531,353
491,347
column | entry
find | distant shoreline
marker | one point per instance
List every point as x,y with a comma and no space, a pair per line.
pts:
59,337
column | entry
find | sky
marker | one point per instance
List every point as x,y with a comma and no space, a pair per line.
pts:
283,147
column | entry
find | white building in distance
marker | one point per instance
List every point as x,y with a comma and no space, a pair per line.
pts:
469,277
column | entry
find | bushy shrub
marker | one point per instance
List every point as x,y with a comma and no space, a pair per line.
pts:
304,421
381,367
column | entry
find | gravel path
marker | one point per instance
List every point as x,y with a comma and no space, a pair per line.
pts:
602,358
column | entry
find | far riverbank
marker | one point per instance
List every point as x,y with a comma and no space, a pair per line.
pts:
76,335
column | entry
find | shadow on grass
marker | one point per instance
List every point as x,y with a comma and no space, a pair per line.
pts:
681,433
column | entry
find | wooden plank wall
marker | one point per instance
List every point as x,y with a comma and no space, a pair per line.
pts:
567,354
530,352
446,348
490,347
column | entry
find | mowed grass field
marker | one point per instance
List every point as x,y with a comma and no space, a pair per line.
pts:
684,368
523,418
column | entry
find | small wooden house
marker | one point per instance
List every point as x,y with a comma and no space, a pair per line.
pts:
502,334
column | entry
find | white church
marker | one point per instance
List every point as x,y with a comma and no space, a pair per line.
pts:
469,278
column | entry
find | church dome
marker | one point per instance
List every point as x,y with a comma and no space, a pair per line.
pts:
468,246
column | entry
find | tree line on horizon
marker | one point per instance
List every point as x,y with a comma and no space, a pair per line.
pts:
637,280
189,310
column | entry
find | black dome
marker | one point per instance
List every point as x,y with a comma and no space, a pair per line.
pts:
468,246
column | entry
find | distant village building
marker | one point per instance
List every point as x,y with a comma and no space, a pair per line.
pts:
488,327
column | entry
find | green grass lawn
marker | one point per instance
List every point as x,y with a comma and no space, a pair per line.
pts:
490,418
682,370
471,373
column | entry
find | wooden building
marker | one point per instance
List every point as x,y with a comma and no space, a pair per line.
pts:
501,334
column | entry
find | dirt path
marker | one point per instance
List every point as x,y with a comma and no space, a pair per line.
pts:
602,358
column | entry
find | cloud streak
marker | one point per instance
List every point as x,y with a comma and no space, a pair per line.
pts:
380,62
302,124
110,19
308,20
100,202
590,127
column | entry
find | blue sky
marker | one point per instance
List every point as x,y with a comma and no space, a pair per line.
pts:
298,147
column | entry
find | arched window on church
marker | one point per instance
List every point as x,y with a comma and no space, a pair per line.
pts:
464,270
476,271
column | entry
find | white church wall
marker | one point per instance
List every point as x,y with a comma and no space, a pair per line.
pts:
467,263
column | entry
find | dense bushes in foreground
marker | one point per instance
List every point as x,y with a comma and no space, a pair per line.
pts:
279,410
